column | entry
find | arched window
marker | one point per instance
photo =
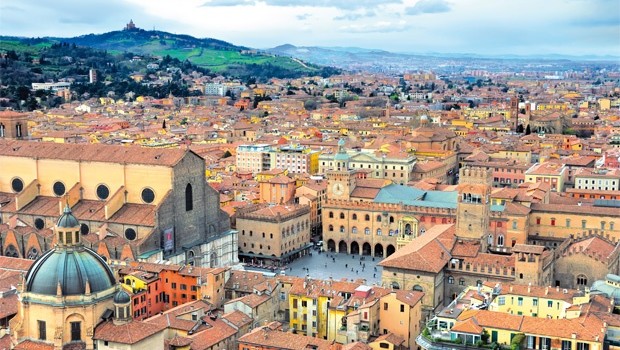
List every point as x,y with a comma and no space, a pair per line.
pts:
331,215
330,228
478,283
514,224
342,215
450,280
11,251
490,240
189,198
461,281
500,240
366,231
378,218
367,217
1,130
379,232
354,217
391,219
341,229
582,280
418,288
354,229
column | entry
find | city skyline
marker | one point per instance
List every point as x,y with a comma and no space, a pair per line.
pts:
567,27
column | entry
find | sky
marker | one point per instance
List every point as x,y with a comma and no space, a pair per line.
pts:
491,27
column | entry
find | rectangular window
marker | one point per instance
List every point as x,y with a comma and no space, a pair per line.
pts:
304,303
501,300
535,302
549,303
566,345
402,308
76,331
385,306
183,287
174,285
520,301
583,346
42,330
294,303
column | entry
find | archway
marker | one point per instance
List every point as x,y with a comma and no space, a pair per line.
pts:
331,245
378,250
390,250
395,285
366,249
355,248
342,247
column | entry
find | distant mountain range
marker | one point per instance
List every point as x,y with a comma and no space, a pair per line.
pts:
381,60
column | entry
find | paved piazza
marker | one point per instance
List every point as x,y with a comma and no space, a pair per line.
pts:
334,265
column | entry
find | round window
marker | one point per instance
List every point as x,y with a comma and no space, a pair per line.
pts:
103,192
84,229
17,184
39,223
130,234
59,188
148,196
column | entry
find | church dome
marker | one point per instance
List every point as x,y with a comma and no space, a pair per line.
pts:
71,268
67,220
121,297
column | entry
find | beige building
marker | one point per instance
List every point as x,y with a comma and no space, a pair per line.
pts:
155,201
552,173
273,234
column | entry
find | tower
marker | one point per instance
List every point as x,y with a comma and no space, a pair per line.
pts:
473,208
340,184
514,112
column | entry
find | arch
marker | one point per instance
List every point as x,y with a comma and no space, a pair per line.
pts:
189,198
379,250
450,279
341,228
342,247
366,231
331,215
379,232
354,217
11,251
490,239
407,229
33,253
500,240
582,280
366,217
213,259
366,249
354,229
418,288
378,218
330,228
389,250
341,215
395,285
331,245
355,248
2,128
391,219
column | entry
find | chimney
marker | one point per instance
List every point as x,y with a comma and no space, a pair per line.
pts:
529,287
557,288
547,291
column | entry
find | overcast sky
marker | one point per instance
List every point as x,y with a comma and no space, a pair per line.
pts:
575,27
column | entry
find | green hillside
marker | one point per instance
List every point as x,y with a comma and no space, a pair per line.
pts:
215,55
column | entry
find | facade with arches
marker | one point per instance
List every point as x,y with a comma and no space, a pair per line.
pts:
132,202
13,125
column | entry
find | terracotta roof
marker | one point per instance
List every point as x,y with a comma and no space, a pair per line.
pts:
274,338
391,338
237,318
92,152
251,300
128,333
216,331
429,252
469,326
33,345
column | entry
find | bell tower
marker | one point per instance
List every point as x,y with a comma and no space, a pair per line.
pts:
473,207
